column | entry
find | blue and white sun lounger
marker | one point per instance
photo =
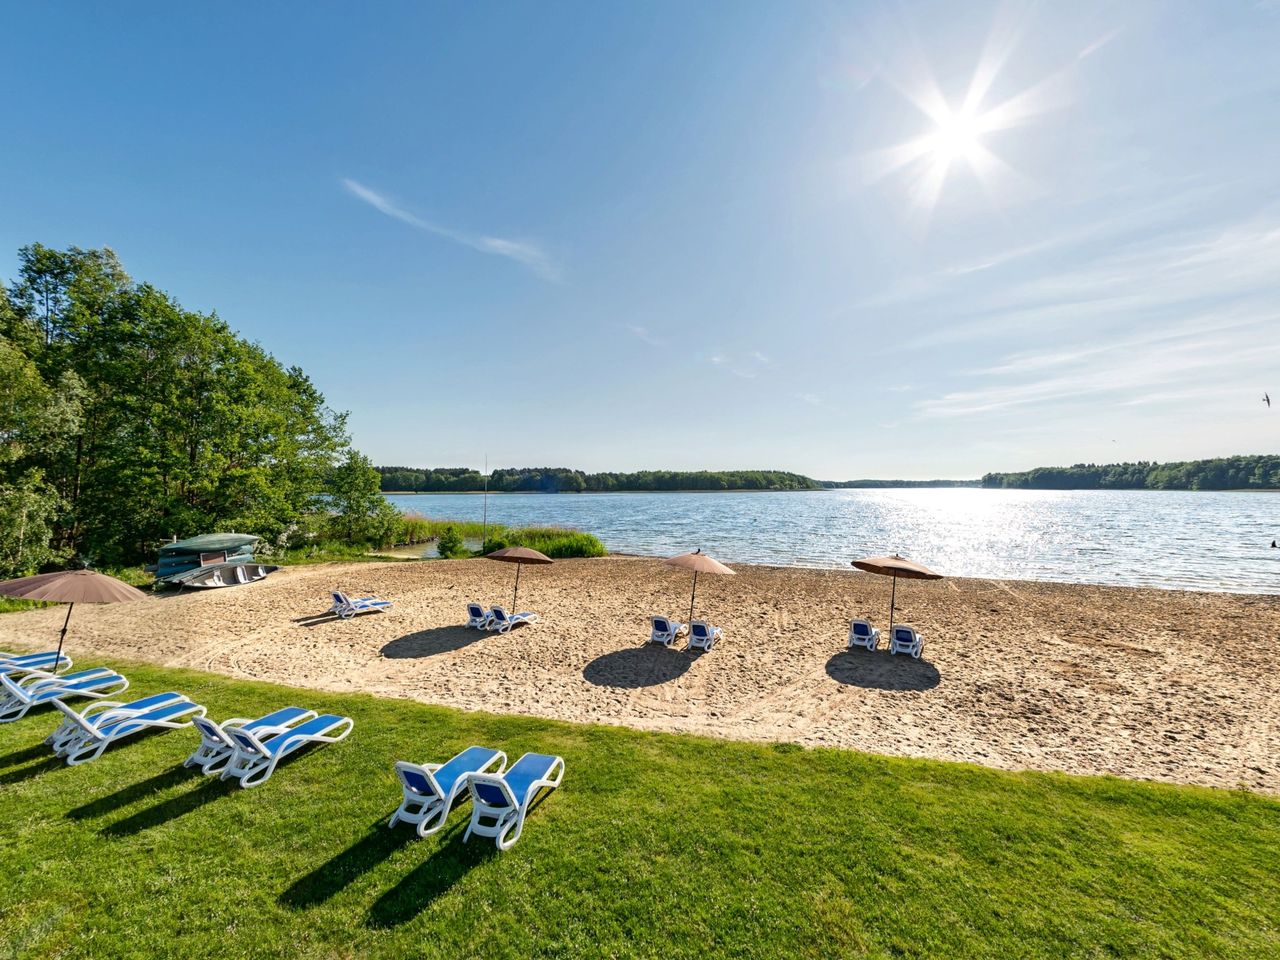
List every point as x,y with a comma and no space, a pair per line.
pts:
906,640
90,733
19,663
19,696
478,617
703,636
502,622
430,789
665,631
216,746
863,634
346,607
255,759
500,801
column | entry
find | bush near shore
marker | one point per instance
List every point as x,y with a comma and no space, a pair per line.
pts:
655,845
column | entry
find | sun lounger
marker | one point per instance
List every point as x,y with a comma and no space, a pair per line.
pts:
255,759
863,634
500,801
502,622
346,607
19,663
92,732
703,636
21,695
216,745
665,631
430,789
478,617
906,640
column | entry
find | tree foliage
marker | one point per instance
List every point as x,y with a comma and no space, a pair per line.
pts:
132,419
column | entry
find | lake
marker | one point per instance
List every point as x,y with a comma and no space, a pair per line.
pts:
1199,541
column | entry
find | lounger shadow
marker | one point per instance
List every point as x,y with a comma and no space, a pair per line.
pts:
133,792
877,670
635,667
345,868
171,809
430,880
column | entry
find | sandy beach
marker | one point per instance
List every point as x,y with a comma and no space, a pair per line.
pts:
1162,685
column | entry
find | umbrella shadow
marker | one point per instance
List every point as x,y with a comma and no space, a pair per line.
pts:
878,670
428,643
134,791
429,881
636,667
340,871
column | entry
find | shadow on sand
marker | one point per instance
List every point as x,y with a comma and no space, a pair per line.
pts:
876,669
316,619
428,643
636,667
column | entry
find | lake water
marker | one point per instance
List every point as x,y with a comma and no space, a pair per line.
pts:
1199,541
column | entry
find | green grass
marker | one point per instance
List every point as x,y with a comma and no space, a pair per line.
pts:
558,543
655,846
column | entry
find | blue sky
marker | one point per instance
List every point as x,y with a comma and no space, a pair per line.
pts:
865,239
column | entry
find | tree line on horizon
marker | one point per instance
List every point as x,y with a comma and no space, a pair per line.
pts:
1258,472
126,419
568,480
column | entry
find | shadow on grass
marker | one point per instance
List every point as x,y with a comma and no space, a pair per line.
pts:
634,667
134,791
170,809
430,880
47,765
876,669
334,875
428,643
22,756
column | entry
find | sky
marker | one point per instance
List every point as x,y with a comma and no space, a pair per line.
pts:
903,240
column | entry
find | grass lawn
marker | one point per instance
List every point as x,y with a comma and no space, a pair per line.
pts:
655,846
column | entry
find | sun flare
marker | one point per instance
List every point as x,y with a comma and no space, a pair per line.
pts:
958,136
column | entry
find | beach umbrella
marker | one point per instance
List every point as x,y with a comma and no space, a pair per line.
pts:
895,567
70,587
519,556
698,562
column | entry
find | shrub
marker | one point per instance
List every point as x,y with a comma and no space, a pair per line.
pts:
450,545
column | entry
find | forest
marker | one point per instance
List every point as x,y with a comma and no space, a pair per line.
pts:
1260,472
126,420
566,480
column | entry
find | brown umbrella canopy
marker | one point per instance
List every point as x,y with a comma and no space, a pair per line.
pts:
895,567
519,556
70,587
698,562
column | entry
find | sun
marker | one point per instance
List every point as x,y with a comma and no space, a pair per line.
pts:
957,136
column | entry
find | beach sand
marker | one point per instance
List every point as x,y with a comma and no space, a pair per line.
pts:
1161,685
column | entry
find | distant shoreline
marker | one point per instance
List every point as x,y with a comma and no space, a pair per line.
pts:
606,493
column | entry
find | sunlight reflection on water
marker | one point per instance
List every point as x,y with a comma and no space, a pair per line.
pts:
1202,541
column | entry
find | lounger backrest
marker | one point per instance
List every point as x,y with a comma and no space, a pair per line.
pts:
246,741
499,614
699,629
475,611
75,718
211,731
904,634
417,780
661,625
861,628
341,599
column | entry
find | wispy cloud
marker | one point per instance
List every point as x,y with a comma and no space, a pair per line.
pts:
810,398
524,252
747,367
645,335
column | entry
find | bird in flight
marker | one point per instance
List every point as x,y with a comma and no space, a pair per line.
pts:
1266,398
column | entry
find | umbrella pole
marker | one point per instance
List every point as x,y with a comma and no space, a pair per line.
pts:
516,591
693,595
61,638
893,601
